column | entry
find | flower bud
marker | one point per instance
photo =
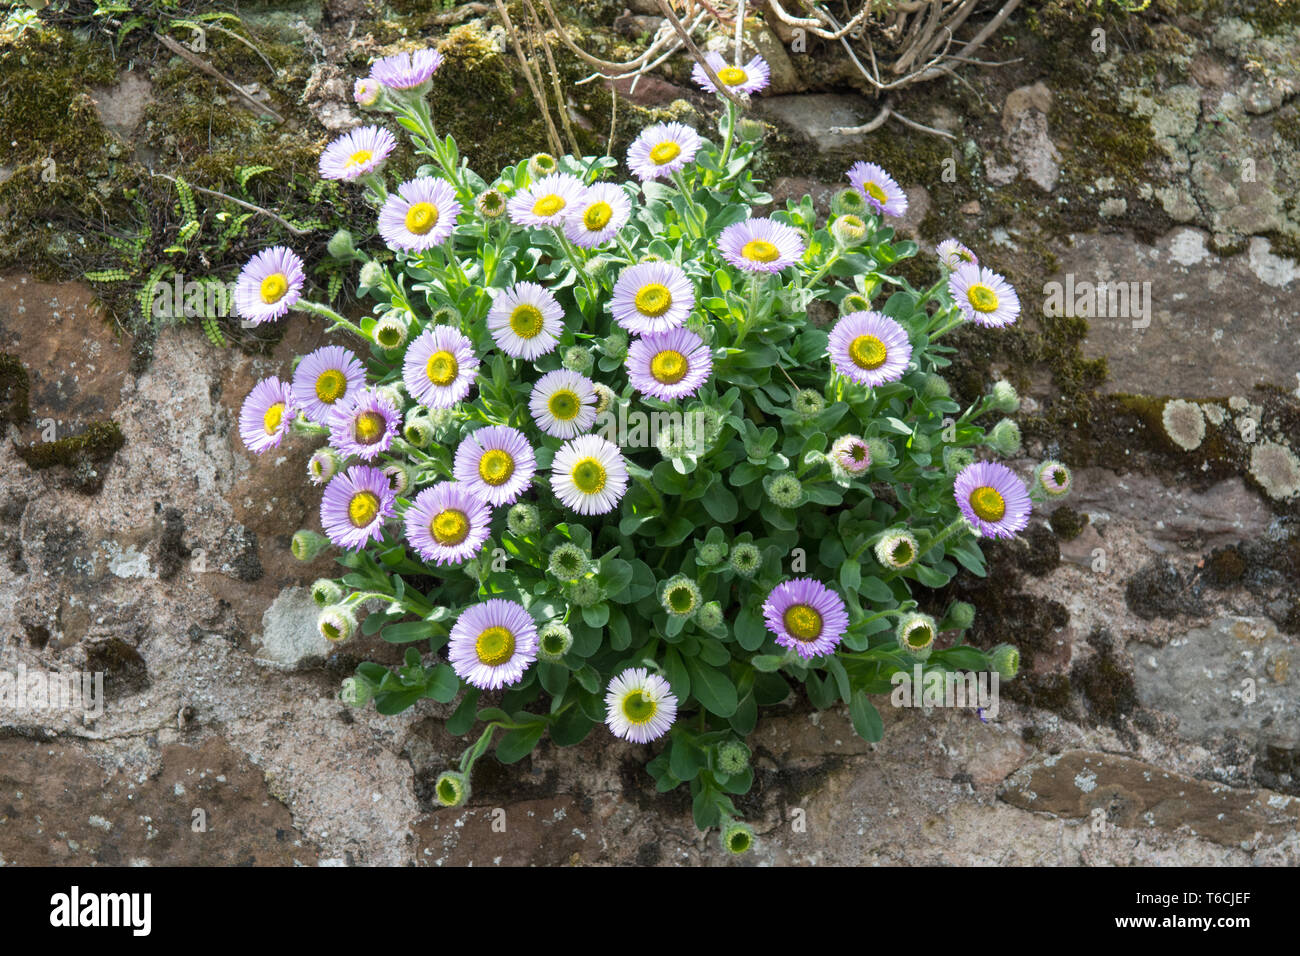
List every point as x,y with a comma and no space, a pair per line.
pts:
737,837
306,545
897,550
881,450
356,692
614,345
1053,478
323,465
399,478
418,430
784,490
854,302
849,202
1005,398
1004,438
809,403
340,245
916,634
680,596
733,756
585,592
1006,660
710,615
326,592
936,386
577,359
554,640
746,559
366,92
568,562
523,519
490,204
541,164
955,459
372,275
389,332
336,623
751,131
452,788
960,616
710,553
849,230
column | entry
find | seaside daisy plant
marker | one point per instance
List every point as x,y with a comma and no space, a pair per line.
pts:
591,463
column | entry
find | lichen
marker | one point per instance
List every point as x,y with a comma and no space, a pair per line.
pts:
1184,423
1276,468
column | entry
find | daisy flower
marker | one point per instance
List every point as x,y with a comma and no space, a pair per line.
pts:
525,320
493,643
420,215
639,706
325,378
546,202
563,403
597,217
993,499
746,80
366,425
983,296
496,463
355,506
447,524
440,367
652,297
880,188
870,348
269,285
406,71
761,245
806,615
589,475
356,153
669,365
852,454
365,91
266,415
953,255
662,150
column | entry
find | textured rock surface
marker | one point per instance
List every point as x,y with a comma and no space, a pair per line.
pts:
1128,739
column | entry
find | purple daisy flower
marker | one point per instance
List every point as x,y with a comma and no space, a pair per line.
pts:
269,285
420,215
589,475
870,348
493,643
406,71
662,150
761,245
668,365
526,320
993,499
546,202
356,153
746,80
953,255
805,614
639,706
355,506
983,296
365,425
852,454
266,415
325,378
652,297
447,523
365,91
440,367
563,403
496,463
880,188
597,217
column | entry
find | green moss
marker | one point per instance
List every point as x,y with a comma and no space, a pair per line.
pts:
15,390
1225,566
1106,685
1067,523
98,443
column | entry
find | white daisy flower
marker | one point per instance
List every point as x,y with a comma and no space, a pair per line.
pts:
589,475
563,403
640,706
526,321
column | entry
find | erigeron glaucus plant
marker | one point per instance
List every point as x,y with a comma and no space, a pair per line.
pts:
592,464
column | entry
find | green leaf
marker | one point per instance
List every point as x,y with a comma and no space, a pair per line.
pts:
751,632
408,632
685,760
518,744
745,718
443,684
712,688
459,723
767,662
865,717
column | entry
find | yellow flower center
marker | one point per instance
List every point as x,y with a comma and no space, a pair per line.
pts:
274,287
669,367
868,352
449,527
988,503
442,368
982,298
803,622
363,508
496,467
653,299
369,427
495,646
639,709
665,152
421,217
589,476
564,404
548,206
875,192
597,216
359,158
526,321
760,250
331,385
732,75
273,417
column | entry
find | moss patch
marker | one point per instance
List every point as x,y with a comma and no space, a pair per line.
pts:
15,390
84,455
